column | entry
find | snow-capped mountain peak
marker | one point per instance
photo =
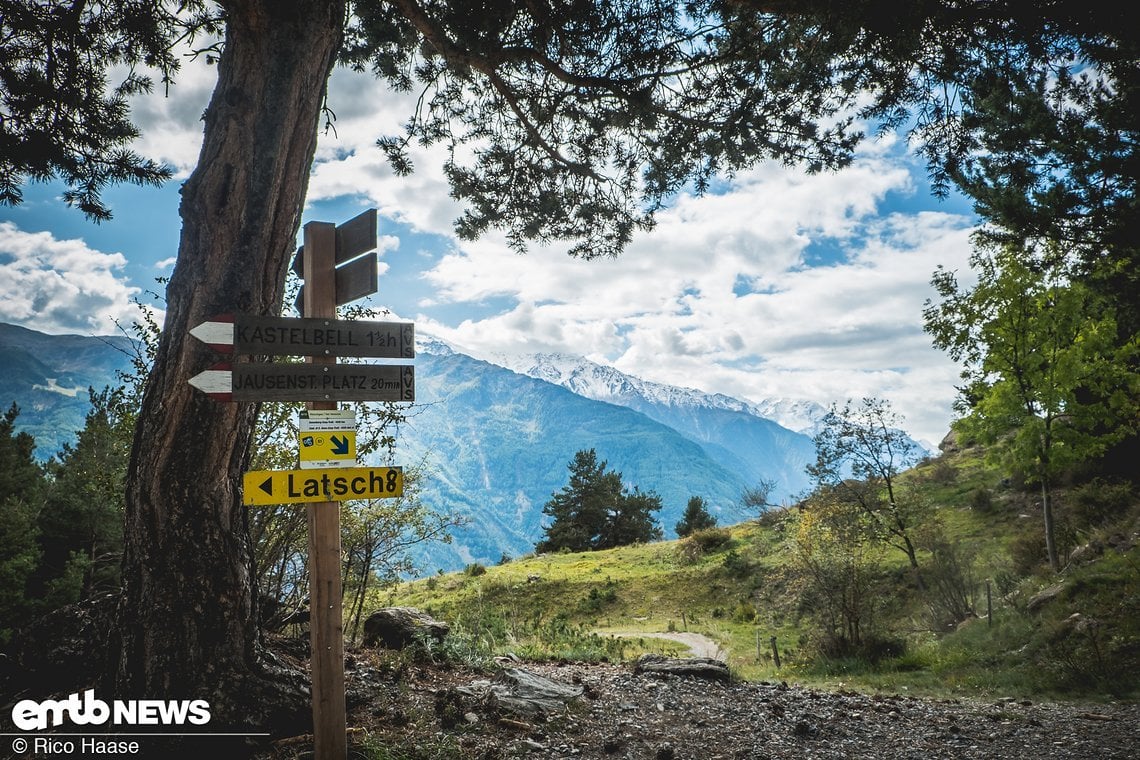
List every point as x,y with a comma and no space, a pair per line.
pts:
604,383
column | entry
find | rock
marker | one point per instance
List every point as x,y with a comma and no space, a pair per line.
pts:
696,667
399,627
1043,596
522,692
949,443
1086,553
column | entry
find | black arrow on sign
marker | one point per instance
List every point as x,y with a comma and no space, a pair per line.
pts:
267,486
339,444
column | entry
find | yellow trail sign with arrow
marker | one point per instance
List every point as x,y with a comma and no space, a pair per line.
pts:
263,487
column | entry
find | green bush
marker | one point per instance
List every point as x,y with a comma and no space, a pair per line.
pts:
711,539
1098,502
598,598
474,570
981,500
736,565
744,613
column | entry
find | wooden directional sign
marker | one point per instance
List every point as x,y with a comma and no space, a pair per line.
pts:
354,238
343,484
352,281
284,336
308,382
326,438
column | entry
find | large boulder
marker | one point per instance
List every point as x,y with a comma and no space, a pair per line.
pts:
521,692
399,627
694,667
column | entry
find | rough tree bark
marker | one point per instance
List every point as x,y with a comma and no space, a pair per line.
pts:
188,614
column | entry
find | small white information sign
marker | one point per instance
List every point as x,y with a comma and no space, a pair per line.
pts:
327,438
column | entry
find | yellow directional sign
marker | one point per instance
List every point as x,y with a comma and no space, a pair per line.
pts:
341,484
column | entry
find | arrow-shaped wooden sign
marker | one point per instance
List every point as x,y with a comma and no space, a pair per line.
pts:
308,382
285,336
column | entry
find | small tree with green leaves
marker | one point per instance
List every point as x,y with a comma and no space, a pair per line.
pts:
1047,381
860,450
376,537
835,567
696,517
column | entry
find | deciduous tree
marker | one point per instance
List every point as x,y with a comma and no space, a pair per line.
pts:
1046,379
860,451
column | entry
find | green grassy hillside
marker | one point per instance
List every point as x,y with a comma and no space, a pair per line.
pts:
1080,639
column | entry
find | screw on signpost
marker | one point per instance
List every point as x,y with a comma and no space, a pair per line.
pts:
326,634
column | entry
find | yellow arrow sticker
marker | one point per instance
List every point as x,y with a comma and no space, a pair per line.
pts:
263,487
327,448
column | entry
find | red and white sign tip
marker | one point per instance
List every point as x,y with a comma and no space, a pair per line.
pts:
217,333
216,382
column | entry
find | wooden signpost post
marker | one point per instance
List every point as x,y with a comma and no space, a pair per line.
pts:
326,625
335,273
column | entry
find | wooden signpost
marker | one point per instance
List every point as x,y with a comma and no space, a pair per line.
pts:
335,273
353,277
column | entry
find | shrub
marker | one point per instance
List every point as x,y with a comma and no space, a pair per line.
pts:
701,543
1098,502
941,471
736,565
981,500
711,539
474,570
1027,552
744,613
598,598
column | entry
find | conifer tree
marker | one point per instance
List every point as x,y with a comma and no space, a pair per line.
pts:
696,517
596,511
22,486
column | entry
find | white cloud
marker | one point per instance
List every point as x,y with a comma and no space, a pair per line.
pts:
170,119
61,286
722,296
783,285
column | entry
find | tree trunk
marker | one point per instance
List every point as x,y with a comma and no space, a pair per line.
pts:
1047,513
189,619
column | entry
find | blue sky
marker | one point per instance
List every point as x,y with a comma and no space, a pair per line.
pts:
778,285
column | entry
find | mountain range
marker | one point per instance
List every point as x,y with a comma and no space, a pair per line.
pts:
48,377
495,438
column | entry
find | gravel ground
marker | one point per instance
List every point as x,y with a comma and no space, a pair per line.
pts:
622,714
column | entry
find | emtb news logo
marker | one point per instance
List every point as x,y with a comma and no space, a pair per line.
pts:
30,715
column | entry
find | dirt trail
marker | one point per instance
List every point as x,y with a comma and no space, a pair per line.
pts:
699,645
